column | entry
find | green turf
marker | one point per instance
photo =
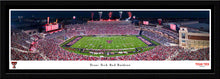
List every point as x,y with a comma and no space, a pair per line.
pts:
118,42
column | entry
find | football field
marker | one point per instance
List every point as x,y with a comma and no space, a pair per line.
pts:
112,42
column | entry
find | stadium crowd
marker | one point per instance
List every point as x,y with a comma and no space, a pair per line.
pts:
51,49
110,29
20,40
164,31
18,55
202,54
101,29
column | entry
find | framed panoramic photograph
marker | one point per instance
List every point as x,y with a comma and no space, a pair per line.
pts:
109,38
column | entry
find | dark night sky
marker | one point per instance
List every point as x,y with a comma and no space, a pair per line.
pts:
146,14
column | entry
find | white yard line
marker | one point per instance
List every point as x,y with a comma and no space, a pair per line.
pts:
44,56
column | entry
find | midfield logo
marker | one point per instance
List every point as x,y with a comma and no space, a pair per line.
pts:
109,41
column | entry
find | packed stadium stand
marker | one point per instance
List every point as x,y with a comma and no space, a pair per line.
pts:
161,35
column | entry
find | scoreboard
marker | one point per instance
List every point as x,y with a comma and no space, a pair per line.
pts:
145,22
51,27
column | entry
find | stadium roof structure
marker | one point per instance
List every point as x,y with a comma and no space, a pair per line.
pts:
199,26
193,30
196,31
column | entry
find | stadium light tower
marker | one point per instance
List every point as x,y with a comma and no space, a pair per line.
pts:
92,14
120,14
48,20
100,16
129,14
110,15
